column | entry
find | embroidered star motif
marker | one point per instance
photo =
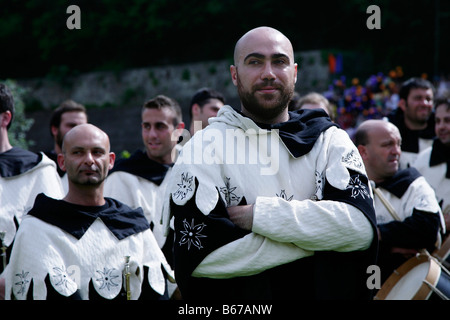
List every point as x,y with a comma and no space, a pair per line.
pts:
284,196
228,192
22,283
357,188
107,278
61,277
352,159
191,234
184,187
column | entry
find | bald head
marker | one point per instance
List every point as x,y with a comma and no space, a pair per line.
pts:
379,142
372,128
261,34
265,74
84,133
87,159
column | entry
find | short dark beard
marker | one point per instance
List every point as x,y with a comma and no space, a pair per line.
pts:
264,112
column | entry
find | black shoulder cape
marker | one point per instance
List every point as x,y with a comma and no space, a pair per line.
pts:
141,165
120,219
17,161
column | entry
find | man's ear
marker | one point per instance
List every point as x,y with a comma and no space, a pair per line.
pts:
54,130
362,151
112,159
402,104
195,109
233,71
61,162
5,118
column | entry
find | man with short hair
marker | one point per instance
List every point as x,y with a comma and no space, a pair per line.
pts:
434,162
141,180
205,104
68,115
414,118
23,174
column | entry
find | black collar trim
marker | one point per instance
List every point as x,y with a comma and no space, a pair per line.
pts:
302,130
17,161
399,183
141,165
440,153
120,219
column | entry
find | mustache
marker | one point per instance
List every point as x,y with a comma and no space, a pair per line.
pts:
267,83
92,168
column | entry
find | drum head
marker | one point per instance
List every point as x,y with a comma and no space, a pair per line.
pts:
408,281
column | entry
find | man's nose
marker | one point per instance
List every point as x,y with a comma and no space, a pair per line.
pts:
268,72
89,159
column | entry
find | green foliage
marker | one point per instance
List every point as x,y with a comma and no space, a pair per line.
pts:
139,33
20,125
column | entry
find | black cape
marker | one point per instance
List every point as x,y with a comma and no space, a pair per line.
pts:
141,165
120,219
17,161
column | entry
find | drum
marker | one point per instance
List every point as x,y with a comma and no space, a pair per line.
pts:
443,254
417,279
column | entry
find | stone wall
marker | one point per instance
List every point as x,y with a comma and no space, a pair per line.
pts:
114,99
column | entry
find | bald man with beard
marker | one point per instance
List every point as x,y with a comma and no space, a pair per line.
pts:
270,204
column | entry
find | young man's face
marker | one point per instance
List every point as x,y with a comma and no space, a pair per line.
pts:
418,106
158,134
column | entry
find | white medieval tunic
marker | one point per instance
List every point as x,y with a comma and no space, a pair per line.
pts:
64,250
23,175
434,164
421,221
313,213
140,182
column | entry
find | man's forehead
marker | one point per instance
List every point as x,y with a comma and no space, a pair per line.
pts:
265,42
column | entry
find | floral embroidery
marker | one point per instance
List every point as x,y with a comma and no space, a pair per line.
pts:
228,193
107,278
185,186
284,196
357,188
320,183
61,277
22,283
191,234
352,159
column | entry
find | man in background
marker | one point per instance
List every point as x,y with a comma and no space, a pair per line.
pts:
414,118
204,104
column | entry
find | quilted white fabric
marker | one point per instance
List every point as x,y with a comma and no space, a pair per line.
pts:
42,249
17,194
139,192
288,221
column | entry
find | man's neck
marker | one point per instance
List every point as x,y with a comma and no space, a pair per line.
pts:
85,196
282,117
4,142
413,125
